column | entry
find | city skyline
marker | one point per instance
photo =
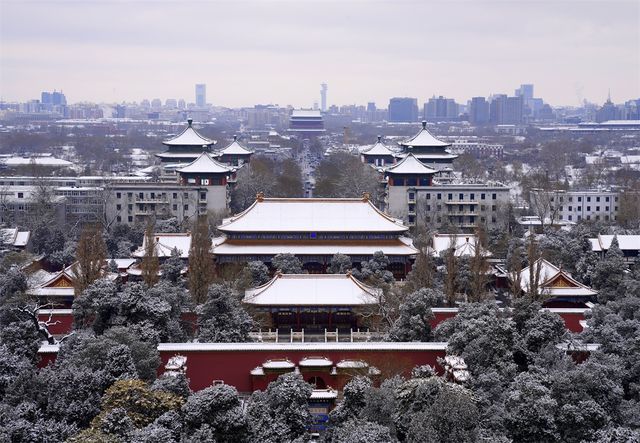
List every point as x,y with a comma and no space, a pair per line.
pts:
279,52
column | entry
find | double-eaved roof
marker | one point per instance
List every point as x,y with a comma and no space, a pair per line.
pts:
312,290
424,139
189,137
312,215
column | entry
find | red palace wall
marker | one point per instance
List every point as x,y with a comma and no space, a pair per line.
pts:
61,321
233,367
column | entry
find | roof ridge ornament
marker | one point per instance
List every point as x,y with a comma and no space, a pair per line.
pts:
190,121
379,139
235,137
366,196
260,196
424,124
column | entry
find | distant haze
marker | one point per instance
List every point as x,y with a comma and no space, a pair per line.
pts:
250,52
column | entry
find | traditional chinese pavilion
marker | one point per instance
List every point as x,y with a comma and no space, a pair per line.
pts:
313,303
314,229
235,154
557,286
186,146
428,149
379,154
206,171
410,172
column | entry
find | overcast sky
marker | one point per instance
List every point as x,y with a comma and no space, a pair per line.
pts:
250,52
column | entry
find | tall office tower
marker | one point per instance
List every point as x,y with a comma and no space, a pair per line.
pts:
479,111
45,98
201,95
403,109
526,92
440,108
506,110
58,98
323,97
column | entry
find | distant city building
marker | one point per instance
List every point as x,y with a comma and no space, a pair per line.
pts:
479,111
156,103
575,206
441,109
201,95
525,91
607,112
403,109
181,104
505,110
306,121
171,103
323,97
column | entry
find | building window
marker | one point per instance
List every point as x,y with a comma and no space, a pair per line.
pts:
450,197
588,209
493,208
494,196
130,219
141,195
118,219
118,195
175,207
439,196
185,195
606,199
472,196
412,208
482,196
412,196
579,208
118,207
460,196
130,207
570,217
597,208
175,195
153,196
203,196
20,194
579,199
186,207
570,199
588,199
597,199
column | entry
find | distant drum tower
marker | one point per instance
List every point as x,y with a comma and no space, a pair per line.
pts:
323,97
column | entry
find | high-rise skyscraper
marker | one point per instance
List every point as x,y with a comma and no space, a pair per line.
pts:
403,109
323,97
479,111
525,91
440,109
201,95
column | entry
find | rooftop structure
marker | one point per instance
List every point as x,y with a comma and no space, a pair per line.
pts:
313,229
205,164
186,146
428,149
235,153
312,290
410,165
306,121
378,154
165,243
464,245
14,237
629,245
555,284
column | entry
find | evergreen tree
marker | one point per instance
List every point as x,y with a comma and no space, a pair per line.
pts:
150,265
201,269
339,264
287,264
90,257
222,319
172,267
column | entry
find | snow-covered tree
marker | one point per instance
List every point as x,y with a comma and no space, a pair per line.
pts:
217,408
414,322
375,270
340,264
360,431
172,267
221,318
287,264
281,413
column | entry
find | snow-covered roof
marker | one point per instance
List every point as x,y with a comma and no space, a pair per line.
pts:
165,242
179,155
14,237
424,139
626,242
352,364
189,137
278,364
235,148
554,282
35,160
315,362
305,113
205,164
379,149
465,244
410,165
400,246
124,263
305,346
312,215
323,394
312,290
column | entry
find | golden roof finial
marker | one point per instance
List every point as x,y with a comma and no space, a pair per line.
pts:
260,196
366,196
